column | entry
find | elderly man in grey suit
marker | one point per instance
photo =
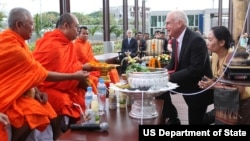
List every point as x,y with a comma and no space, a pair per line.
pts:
129,44
189,63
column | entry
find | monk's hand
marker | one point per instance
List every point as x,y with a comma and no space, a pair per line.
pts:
81,75
83,84
41,96
87,67
4,119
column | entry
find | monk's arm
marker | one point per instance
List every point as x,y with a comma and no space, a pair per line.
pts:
55,76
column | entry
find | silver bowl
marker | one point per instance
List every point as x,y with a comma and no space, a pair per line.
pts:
145,86
148,80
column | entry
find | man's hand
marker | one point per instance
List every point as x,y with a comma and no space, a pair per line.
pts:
4,119
86,67
41,96
81,75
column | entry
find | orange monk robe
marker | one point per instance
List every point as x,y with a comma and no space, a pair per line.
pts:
56,53
20,72
85,55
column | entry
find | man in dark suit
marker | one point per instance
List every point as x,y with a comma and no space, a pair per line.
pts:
129,44
189,63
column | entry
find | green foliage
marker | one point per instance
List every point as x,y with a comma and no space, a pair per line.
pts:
98,47
31,46
95,14
136,67
83,19
2,16
96,18
45,21
93,30
115,29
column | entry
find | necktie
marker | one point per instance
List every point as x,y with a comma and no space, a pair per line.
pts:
128,40
175,57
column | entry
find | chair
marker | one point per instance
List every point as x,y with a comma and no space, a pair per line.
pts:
154,48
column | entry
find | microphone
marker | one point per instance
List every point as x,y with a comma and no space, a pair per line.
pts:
90,126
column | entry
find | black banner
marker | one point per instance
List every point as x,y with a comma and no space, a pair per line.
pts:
164,132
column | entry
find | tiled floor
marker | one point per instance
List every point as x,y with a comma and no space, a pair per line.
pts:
181,106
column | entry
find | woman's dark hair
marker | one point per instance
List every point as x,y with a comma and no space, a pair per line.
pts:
222,33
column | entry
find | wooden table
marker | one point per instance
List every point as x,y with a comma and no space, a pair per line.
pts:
122,127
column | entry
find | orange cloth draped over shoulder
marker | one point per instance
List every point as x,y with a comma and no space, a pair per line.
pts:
20,72
56,53
85,55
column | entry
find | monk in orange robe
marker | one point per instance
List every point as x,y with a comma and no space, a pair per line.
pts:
26,107
55,51
85,54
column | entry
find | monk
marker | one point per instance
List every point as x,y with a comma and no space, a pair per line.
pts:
55,51
26,107
85,54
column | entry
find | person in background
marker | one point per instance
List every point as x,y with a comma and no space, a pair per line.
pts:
219,40
159,35
130,45
141,43
146,36
26,107
55,51
162,35
189,63
197,30
85,54
165,43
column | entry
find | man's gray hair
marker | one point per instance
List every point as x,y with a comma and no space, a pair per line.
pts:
130,30
180,16
17,14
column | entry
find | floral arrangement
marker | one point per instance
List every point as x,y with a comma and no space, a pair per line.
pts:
164,58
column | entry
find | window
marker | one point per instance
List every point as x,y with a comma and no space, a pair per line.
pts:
193,20
153,21
190,20
196,20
